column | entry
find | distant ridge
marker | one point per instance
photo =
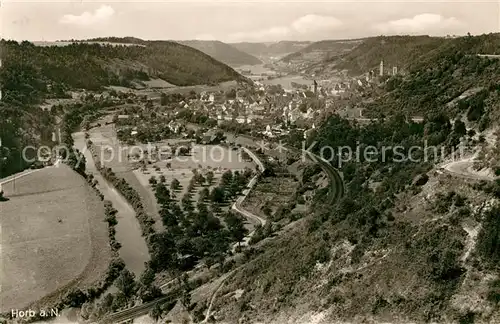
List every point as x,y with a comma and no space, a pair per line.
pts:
222,52
271,49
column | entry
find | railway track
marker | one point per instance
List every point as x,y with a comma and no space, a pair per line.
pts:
335,194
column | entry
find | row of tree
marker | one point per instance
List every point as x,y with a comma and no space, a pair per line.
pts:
197,233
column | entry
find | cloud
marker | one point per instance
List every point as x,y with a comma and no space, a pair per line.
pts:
101,14
272,33
314,23
426,22
305,25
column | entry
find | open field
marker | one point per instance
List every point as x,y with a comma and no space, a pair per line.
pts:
159,87
114,158
105,137
53,234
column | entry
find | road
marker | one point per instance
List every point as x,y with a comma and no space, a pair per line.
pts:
237,205
463,168
336,192
134,312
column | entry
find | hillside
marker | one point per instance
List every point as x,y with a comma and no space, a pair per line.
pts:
113,65
276,49
450,79
322,50
32,73
397,51
222,52
408,243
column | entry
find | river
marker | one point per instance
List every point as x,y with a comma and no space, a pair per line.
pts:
133,251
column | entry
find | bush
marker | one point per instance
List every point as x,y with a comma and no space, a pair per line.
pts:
494,291
488,244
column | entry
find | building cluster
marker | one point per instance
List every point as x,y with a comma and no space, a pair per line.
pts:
270,109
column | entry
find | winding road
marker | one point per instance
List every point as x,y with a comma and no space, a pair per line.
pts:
464,169
237,205
335,194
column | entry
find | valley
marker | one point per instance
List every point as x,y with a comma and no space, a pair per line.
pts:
197,181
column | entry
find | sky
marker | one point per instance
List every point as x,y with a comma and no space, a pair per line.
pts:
237,21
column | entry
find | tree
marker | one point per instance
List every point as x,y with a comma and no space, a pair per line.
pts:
236,227
162,194
175,184
459,127
186,292
217,195
163,179
156,312
153,181
209,177
164,252
186,202
226,179
231,94
204,194
147,277
74,298
199,178
266,209
163,99
234,188
148,292
125,283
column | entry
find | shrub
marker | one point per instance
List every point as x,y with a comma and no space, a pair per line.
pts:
488,243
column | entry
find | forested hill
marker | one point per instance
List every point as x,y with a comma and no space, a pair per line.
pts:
222,52
404,52
452,79
92,66
322,50
393,50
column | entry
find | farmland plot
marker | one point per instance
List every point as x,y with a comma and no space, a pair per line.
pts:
52,236
203,158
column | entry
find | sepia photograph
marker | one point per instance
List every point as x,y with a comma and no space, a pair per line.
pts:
249,162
